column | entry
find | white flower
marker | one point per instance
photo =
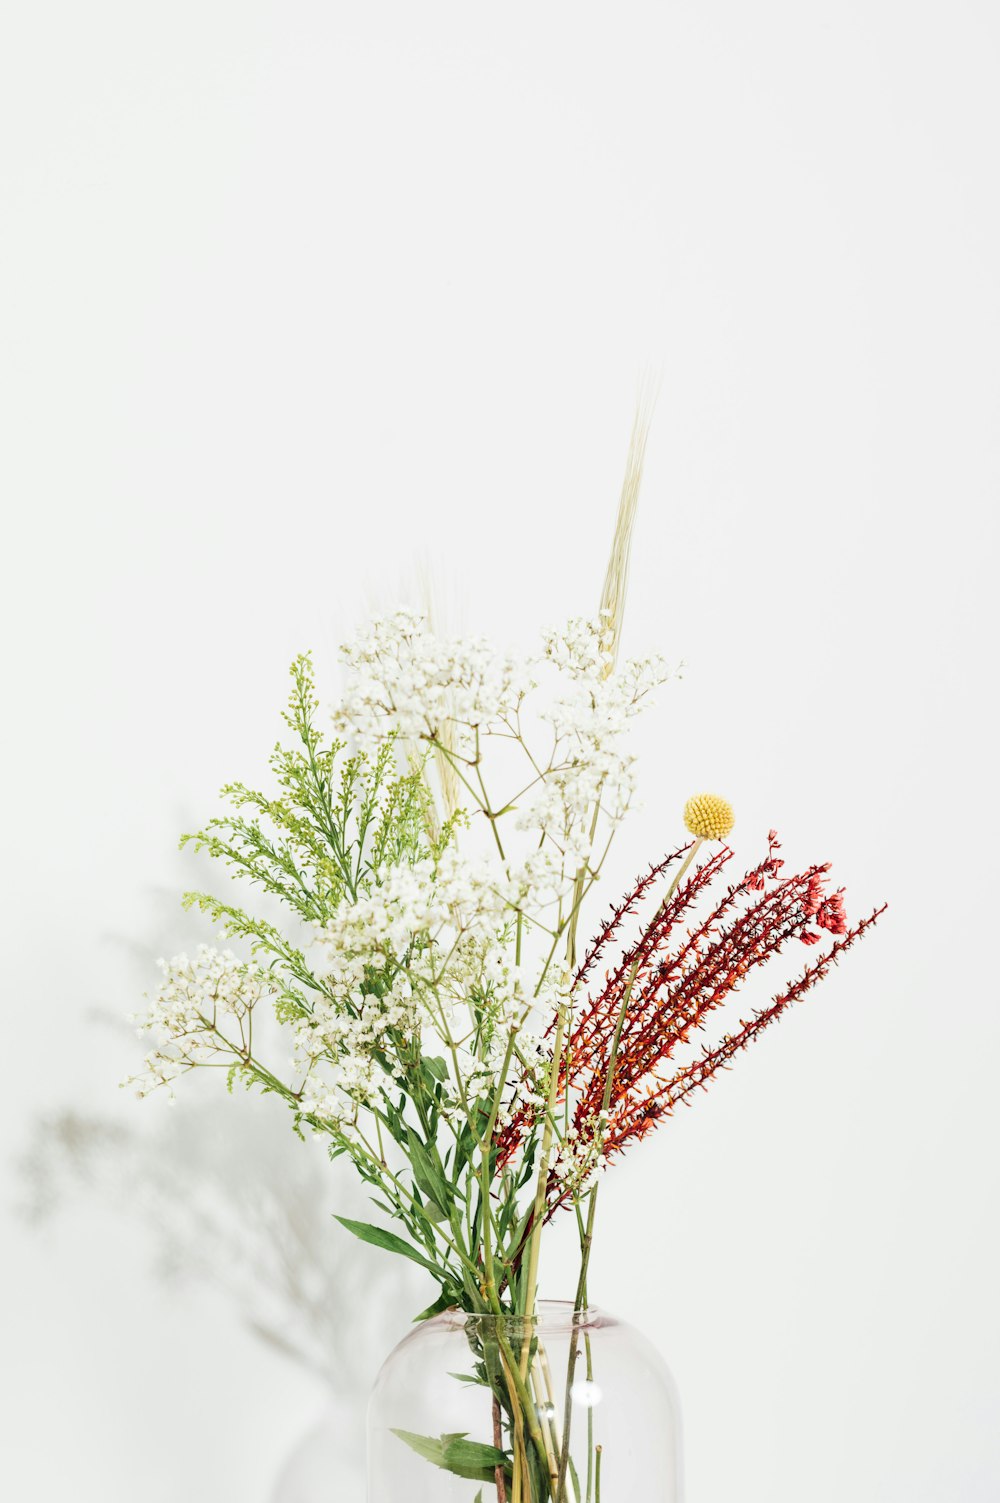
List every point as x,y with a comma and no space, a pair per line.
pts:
399,671
198,1014
580,1159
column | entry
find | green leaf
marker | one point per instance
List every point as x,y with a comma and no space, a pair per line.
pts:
424,1445
539,1481
445,1300
425,1174
379,1237
491,1364
453,1453
470,1458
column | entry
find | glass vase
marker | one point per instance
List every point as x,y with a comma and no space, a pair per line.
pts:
567,1407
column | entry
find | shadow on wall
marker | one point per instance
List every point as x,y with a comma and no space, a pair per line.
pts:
245,1209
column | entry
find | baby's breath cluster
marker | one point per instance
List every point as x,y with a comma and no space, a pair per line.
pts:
399,670
341,1046
589,713
200,1014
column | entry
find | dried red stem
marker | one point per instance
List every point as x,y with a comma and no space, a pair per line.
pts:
671,986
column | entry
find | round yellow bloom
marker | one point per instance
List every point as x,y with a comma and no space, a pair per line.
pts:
708,816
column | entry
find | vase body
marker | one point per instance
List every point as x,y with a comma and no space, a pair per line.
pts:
570,1407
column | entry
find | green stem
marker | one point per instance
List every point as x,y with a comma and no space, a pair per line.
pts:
520,1386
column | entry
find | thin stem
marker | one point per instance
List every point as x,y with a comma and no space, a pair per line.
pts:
547,1434
550,1395
498,1442
534,1246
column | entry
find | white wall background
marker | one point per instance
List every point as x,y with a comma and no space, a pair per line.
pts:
292,294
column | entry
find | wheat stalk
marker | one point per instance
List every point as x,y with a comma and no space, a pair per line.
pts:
616,578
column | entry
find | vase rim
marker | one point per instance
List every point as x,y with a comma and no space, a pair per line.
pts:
551,1315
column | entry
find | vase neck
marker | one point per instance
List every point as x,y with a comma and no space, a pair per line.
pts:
552,1317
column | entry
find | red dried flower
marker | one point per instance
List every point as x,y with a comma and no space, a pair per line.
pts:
619,1075
831,915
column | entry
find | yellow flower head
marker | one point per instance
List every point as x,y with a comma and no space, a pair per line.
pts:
708,816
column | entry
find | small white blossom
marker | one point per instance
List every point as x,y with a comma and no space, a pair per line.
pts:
198,1014
399,670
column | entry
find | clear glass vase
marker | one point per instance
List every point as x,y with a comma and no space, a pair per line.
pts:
568,1407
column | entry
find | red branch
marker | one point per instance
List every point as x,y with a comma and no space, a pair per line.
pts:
666,1096
664,988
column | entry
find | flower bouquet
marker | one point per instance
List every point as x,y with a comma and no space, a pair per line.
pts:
444,1018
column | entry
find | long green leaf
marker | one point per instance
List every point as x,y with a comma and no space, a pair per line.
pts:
379,1237
425,1173
427,1446
453,1453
